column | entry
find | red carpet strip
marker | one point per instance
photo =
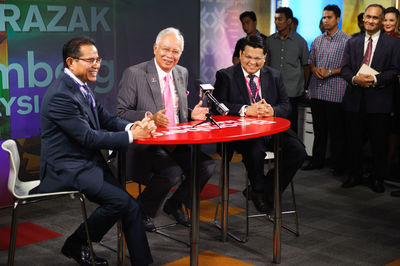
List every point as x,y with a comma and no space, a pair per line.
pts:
27,233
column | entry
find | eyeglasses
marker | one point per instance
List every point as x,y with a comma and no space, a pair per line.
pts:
91,61
256,58
174,52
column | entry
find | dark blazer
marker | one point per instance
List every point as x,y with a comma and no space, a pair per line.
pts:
230,89
71,138
378,99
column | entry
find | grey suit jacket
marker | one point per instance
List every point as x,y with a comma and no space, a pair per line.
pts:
139,92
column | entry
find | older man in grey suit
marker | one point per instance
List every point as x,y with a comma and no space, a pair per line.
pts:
157,89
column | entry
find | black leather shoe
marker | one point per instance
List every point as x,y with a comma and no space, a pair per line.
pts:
148,224
244,192
175,209
377,186
351,181
395,193
311,166
259,202
337,172
81,254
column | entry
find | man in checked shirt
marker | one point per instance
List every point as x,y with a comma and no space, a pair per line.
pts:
326,90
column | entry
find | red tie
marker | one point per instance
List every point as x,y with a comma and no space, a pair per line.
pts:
168,102
367,55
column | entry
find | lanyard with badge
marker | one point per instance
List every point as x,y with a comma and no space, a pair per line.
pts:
253,97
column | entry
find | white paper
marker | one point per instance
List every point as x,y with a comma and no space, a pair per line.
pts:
364,69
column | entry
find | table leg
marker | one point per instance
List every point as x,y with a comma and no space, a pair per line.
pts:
277,202
195,210
121,251
225,191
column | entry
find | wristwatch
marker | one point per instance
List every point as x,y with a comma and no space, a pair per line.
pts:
329,72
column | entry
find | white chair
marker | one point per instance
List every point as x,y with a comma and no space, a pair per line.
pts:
20,192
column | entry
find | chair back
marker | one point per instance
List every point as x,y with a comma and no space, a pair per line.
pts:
16,187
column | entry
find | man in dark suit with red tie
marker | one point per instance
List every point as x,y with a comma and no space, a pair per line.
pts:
74,129
368,98
252,89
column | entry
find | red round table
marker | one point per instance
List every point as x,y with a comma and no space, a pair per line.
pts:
232,128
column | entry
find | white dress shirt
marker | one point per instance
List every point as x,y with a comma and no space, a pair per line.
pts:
256,78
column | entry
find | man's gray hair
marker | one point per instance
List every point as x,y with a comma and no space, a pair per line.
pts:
169,30
378,6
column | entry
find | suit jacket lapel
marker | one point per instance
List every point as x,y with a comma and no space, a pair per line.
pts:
180,88
93,111
241,83
360,52
378,48
264,84
154,84
83,101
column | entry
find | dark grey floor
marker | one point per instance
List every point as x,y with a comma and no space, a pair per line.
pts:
337,227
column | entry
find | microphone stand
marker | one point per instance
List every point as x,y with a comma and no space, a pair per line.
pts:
208,119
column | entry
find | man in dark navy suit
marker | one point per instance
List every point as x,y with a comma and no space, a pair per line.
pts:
368,98
252,89
74,129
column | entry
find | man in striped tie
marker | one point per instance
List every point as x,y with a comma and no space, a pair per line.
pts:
254,90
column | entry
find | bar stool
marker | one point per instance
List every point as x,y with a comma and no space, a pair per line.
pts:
160,227
269,157
20,192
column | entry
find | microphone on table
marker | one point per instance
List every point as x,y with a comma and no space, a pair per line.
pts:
206,89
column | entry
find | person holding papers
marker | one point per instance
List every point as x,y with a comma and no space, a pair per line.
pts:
370,66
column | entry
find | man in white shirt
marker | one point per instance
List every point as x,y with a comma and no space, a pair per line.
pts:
75,127
254,90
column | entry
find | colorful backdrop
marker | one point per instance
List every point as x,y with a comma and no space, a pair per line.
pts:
32,34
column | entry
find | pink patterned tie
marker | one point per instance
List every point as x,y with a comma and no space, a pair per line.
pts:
168,102
367,55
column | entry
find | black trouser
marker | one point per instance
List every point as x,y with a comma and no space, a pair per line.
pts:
253,152
376,128
167,169
115,203
294,115
328,120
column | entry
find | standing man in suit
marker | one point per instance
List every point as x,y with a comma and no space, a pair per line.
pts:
252,89
158,89
368,98
74,129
